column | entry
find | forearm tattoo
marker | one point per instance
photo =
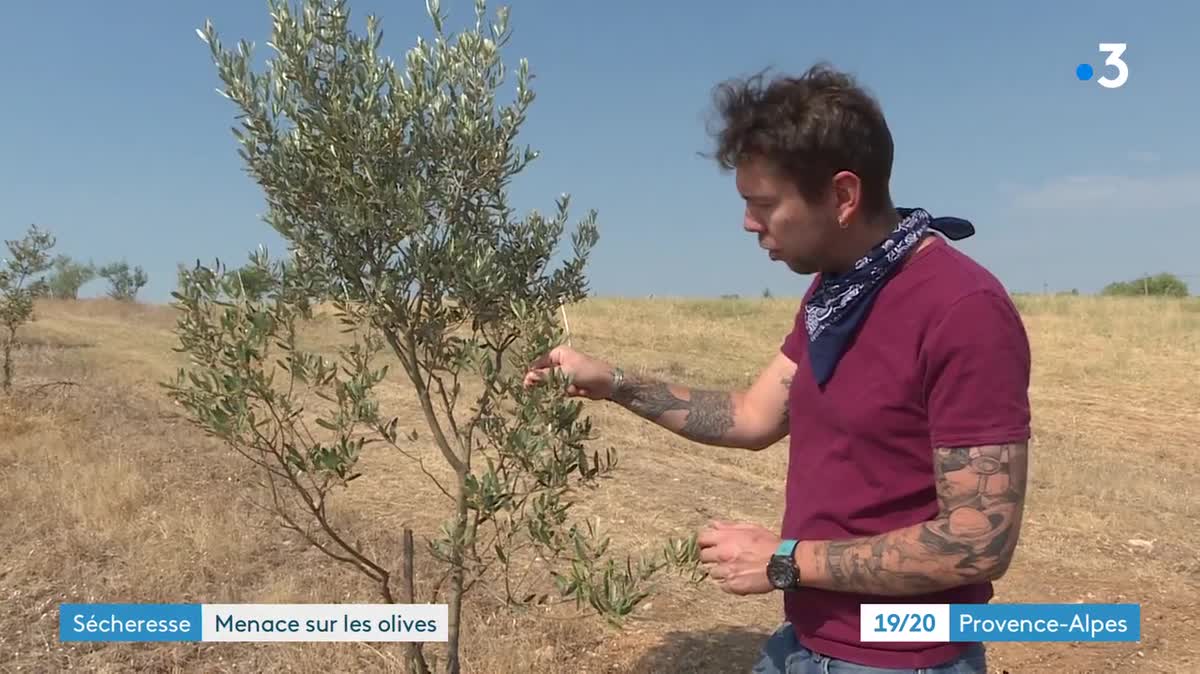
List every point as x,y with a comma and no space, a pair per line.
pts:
708,415
981,491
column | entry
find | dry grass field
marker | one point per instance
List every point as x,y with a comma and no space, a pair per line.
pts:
109,496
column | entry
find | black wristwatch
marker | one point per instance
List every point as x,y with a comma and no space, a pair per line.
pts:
781,569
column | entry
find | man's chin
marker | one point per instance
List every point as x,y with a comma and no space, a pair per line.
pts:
800,267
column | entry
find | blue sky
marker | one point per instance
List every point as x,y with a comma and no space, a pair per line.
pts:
115,139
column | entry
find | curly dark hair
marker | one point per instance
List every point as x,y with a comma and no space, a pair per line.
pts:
810,127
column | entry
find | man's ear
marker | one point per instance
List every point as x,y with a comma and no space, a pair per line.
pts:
846,196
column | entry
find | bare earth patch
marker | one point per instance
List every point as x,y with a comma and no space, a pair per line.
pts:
109,496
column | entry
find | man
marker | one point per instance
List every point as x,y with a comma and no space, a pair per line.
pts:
903,386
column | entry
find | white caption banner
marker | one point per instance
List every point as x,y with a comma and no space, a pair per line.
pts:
905,622
324,622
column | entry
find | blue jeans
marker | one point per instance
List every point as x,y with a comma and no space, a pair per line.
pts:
783,654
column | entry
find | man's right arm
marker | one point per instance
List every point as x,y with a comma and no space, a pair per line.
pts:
754,418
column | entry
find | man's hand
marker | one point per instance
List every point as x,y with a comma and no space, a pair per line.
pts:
590,377
736,556
749,419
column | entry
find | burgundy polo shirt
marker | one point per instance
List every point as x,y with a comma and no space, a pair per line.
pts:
941,360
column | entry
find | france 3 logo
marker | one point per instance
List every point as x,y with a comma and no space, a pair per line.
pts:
1115,59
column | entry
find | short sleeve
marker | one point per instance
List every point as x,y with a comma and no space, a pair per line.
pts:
795,344
977,372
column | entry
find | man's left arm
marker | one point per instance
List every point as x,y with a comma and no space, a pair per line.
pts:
981,493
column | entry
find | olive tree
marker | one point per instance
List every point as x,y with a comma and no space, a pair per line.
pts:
21,283
69,276
389,186
124,282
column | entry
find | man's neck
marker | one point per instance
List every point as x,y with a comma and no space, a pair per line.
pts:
868,236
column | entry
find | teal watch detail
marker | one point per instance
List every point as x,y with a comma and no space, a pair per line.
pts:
781,569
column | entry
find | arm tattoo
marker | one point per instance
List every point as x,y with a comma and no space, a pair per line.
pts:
708,415
981,491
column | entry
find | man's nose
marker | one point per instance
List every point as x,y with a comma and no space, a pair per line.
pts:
750,224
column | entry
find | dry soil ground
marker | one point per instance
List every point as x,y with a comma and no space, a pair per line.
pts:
109,496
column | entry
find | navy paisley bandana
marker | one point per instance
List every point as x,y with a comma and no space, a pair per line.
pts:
839,303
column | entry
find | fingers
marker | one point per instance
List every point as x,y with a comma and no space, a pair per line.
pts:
708,537
713,555
717,573
730,553
717,544
715,531
548,359
540,368
722,575
534,377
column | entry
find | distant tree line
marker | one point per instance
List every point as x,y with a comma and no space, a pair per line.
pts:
61,277
67,276
28,273
1160,285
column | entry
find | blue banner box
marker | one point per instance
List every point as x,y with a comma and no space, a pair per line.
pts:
1045,622
130,622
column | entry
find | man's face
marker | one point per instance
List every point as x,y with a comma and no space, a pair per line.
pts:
800,233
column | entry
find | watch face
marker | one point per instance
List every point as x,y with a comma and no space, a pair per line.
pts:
781,573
